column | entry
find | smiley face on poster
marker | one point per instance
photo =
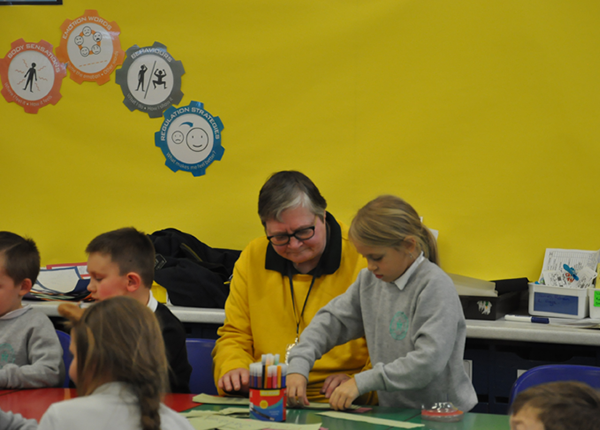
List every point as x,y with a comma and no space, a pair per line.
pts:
190,138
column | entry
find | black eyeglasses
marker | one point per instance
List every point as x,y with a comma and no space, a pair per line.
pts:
284,239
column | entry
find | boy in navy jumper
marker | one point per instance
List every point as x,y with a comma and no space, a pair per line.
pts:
121,262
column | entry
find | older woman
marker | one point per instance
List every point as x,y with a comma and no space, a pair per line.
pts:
280,282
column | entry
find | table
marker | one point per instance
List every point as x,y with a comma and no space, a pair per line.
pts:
34,402
476,329
471,421
497,351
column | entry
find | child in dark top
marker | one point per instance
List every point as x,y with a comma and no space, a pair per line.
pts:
121,263
30,352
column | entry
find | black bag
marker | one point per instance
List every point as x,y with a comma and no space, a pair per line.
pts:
193,273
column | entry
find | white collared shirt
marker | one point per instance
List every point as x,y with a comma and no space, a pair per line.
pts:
16,313
152,303
403,279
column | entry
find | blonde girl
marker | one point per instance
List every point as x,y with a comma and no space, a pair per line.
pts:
120,369
405,306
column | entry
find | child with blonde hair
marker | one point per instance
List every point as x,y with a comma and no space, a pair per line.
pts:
405,306
120,369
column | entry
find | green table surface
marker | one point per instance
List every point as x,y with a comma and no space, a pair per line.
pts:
470,421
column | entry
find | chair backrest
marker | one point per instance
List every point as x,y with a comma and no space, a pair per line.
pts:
65,341
556,372
200,357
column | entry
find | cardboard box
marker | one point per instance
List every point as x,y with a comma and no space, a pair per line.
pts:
558,301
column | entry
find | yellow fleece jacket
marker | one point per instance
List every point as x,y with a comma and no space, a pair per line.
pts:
259,317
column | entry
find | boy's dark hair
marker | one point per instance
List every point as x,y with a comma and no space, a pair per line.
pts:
130,249
562,405
21,257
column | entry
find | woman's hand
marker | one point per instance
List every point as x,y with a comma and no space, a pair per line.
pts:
332,382
296,390
236,380
344,395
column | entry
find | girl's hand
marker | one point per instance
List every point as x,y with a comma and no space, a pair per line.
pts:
332,382
296,390
344,395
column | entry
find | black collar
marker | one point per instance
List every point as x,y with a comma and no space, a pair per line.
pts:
329,262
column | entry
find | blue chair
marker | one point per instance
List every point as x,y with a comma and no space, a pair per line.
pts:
553,373
200,357
65,341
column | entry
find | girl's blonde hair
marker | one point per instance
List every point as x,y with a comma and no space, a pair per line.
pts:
388,221
119,340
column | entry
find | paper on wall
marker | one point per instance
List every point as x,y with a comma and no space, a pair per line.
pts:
570,268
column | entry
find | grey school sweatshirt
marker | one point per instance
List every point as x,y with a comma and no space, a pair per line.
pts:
30,352
10,421
415,335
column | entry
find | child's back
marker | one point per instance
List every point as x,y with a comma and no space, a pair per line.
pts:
110,406
119,369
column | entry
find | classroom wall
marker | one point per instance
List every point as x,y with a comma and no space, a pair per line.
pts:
483,115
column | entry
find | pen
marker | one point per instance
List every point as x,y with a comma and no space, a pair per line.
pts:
526,318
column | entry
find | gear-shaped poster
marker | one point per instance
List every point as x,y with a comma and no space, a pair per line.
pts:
31,75
91,47
190,138
150,79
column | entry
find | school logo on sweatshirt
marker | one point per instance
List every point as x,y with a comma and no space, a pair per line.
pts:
399,326
7,354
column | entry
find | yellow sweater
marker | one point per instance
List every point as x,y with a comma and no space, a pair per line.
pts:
260,317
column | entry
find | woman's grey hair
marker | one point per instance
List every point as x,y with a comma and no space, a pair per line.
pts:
289,189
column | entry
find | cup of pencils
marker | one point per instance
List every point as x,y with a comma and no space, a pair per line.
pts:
267,389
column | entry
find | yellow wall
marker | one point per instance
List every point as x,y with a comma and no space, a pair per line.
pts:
485,115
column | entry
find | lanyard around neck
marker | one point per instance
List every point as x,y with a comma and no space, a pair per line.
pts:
294,301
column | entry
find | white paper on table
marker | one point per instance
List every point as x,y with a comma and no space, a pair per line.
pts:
372,420
217,400
467,286
226,411
242,401
227,423
59,280
576,323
